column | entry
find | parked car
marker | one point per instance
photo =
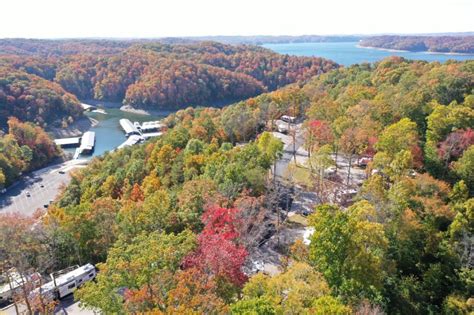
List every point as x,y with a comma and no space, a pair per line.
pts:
330,170
28,194
364,161
62,172
288,119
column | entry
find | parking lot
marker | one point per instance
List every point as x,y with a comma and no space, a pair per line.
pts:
42,185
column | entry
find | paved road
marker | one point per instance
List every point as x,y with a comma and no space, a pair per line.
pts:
282,164
51,178
66,306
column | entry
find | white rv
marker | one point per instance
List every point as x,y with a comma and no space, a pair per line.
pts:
12,284
66,282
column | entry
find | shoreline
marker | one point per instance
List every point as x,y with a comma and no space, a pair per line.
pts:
76,129
383,49
133,110
409,51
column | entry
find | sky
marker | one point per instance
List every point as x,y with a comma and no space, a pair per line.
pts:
155,18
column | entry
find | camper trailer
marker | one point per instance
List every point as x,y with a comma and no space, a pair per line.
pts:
12,283
65,282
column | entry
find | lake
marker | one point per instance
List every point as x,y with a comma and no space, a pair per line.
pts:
347,53
109,134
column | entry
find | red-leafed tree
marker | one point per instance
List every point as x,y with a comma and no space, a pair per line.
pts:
455,144
218,254
221,221
318,133
219,257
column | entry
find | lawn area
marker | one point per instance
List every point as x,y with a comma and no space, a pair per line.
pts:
298,218
301,175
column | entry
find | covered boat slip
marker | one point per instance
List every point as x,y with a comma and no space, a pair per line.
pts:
85,143
68,142
146,130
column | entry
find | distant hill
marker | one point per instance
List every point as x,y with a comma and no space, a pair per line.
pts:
442,44
283,39
166,74
34,99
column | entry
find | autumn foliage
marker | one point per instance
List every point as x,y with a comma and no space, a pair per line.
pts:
159,75
218,254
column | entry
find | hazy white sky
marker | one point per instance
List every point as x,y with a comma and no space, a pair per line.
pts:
154,18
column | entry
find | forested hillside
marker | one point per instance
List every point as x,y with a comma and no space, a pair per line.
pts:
158,75
172,222
32,98
442,44
24,148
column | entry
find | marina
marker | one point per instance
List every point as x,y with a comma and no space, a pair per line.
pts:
107,137
146,130
83,145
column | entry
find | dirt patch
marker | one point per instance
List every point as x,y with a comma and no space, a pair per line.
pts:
76,129
133,110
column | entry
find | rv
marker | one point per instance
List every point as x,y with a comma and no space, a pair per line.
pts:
12,284
65,282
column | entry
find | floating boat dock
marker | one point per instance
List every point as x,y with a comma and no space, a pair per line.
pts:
151,134
129,128
147,130
133,139
68,142
151,126
87,144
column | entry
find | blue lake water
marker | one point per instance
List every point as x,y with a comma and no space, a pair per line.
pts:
109,134
347,53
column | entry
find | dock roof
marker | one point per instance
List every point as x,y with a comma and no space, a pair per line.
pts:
133,139
88,140
68,141
128,127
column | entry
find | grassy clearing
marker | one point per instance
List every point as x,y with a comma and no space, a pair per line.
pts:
300,175
299,219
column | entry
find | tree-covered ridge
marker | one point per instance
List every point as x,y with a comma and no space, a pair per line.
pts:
51,47
443,44
32,98
172,222
435,99
24,148
159,75
415,119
